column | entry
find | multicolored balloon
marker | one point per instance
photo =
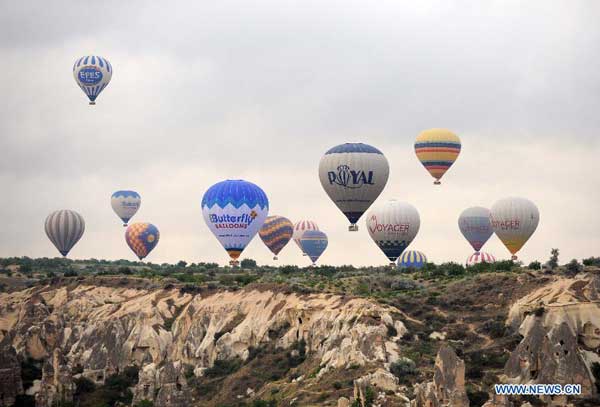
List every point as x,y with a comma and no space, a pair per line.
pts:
353,175
437,149
514,220
314,243
276,232
142,238
234,211
64,228
411,259
393,225
125,204
474,223
92,73
480,257
299,228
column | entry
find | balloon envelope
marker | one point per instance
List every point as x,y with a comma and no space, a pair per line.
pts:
300,227
437,149
353,175
64,228
480,257
411,259
142,238
393,225
92,73
475,225
276,232
514,220
125,204
314,243
234,211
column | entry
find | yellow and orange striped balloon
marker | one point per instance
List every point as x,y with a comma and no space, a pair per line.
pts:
437,149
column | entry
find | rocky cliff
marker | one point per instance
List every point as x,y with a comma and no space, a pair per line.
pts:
97,331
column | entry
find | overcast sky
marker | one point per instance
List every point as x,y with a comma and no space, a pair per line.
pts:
208,90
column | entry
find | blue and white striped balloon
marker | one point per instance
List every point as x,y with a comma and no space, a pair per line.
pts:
411,259
92,73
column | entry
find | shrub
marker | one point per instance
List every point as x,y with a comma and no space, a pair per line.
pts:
535,265
452,269
403,367
592,261
223,367
248,264
573,267
70,273
553,262
504,265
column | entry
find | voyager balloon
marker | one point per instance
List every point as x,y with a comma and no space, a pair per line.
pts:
299,228
234,211
514,220
64,228
92,73
393,225
314,243
480,257
437,149
125,204
142,238
276,232
411,259
474,223
353,175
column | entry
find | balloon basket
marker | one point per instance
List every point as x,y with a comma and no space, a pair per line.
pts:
437,182
92,103
274,257
124,225
353,227
393,265
513,258
304,254
234,263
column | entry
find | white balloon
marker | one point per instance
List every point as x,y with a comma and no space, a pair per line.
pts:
393,225
125,204
514,220
92,73
474,224
353,175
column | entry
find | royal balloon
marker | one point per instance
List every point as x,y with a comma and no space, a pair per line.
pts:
125,204
234,211
353,175
92,73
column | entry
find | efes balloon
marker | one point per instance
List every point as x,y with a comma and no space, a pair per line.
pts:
474,223
92,73
234,211
125,204
142,238
314,243
299,228
437,149
393,225
353,175
276,232
64,228
480,257
514,220
411,259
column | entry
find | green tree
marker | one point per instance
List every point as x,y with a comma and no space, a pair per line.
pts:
248,264
553,262
535,265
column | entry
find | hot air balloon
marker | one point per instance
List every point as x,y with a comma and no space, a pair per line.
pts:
64,228
92,73
276,232
299,228
437,149
411,259
393,225
480,257
125,204
353,175
514,220
314,243
474,223
142,238
234,211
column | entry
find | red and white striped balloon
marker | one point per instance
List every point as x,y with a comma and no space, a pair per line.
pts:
480,257
300,227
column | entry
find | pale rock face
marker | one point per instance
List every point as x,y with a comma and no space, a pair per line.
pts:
448,386
343,402
11,384
561,335
57,382
380,381
104,329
